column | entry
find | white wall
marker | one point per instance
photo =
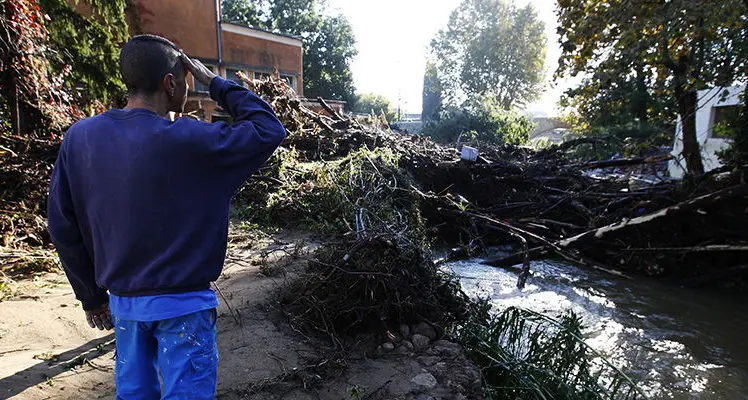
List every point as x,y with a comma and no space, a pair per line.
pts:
707,101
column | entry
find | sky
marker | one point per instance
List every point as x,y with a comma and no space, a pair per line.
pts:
392,41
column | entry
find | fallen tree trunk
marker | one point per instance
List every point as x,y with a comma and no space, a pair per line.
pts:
686,206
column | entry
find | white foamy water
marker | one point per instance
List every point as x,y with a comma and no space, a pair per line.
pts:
677,343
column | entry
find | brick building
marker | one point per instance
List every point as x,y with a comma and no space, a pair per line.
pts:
226,48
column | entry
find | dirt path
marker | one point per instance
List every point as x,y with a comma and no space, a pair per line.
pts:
47,351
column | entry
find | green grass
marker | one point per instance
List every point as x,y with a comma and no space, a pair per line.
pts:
527,355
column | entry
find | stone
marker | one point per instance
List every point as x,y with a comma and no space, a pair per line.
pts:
405,330
425,330
423,397
388,347
405,348
424,381
428,360
447,349
420,342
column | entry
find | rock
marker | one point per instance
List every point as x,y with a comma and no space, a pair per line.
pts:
405,330
446,349
423,397
425,330
428,360
420,342
424,381
405,348
388,347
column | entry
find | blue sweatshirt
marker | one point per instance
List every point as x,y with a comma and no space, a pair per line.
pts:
139,205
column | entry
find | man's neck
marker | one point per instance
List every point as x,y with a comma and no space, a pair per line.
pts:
148,104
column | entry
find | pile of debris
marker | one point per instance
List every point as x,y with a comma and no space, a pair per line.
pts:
543,201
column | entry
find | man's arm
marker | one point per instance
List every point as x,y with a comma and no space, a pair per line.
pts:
244,146
68,240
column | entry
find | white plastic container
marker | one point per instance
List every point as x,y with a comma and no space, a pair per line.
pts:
469,153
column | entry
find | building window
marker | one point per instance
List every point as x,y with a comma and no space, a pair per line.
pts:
199,87
262,75
725,120
233,75
290,80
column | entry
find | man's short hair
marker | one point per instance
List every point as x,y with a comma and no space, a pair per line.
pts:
145,60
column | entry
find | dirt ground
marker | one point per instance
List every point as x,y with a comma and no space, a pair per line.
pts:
47,351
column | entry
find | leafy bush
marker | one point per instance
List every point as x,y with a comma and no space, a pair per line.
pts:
376,104
479,121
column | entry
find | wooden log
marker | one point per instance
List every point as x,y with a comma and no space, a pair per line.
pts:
535,253
694,249
316,118
565,253
621,162
334,114
686,206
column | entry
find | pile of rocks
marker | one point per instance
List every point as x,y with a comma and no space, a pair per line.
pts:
442,369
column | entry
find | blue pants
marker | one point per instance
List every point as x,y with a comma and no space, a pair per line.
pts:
183,350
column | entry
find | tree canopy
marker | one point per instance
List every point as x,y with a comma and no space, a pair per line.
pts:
683,45
329,43
90,46
432,93
492,48
369,103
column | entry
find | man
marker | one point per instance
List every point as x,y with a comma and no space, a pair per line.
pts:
139,207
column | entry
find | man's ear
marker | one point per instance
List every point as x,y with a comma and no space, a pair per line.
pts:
169,84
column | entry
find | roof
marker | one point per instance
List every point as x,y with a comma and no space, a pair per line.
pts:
254,28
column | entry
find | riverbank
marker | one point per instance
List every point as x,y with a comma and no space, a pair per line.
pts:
47,350
676,343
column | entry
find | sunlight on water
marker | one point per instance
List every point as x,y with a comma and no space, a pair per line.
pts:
673,341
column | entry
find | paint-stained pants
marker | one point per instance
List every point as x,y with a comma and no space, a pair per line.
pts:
183,350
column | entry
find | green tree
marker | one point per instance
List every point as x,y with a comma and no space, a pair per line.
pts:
329,43
492,48
619,106
327,61
479,121
88,47
686,45
375,103
245,12
432,93
33,102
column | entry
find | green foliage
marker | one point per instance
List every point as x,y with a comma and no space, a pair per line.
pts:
372,103
245,12
480,121
526,355
88,47
327,61
680,46
492,48
621,105
329,43
432,93
737,154
336,197
32,93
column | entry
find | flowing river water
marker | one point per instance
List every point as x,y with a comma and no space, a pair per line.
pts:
677,343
